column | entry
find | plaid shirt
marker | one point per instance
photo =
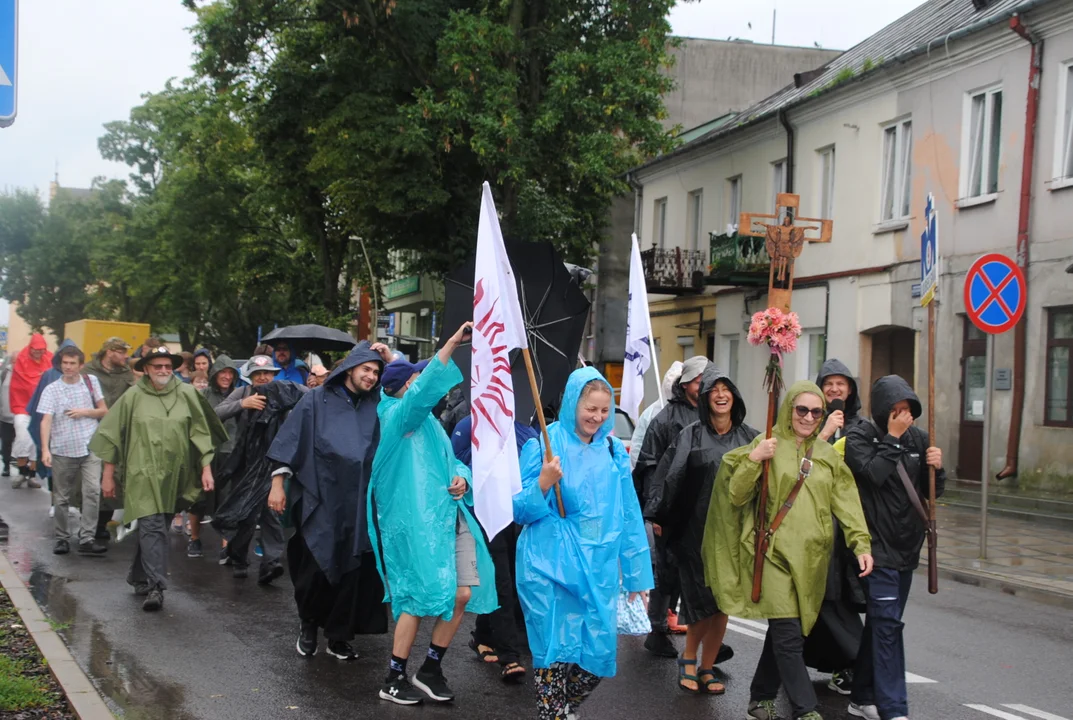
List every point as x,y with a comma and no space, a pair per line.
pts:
70,436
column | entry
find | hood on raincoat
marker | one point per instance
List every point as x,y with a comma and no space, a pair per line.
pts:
56,359
572,395
223,362
27,372
886,393
837,367
362,353
784,427
671,378
711,376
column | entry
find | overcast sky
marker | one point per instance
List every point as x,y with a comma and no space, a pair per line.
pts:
85,63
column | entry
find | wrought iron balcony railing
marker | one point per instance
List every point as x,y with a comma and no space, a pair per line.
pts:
673,271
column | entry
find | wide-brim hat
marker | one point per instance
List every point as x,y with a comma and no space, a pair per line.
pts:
260,363
158,352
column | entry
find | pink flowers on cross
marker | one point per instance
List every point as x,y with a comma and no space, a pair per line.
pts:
776,329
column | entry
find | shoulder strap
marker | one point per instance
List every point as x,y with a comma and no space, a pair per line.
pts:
802,474
911,491
89,386
611,446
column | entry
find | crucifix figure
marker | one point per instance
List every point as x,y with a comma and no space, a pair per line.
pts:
784,240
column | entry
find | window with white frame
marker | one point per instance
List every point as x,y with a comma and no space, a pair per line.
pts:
659,223
827,182
731,344
733,201
897,170
981,143
1063,145
695,221
812,351
778,178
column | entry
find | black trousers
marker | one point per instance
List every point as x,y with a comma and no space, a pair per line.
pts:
498,629
782,663
353,606
7,439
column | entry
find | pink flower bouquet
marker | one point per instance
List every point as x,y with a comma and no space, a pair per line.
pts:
779,331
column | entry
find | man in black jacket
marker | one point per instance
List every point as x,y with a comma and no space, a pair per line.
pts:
886,456
837,383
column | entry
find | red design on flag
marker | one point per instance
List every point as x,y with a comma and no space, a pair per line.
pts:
498,389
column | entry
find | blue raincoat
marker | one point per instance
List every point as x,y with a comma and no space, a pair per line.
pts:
414,513
569,568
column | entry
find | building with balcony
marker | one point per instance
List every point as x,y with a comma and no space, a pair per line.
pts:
941,102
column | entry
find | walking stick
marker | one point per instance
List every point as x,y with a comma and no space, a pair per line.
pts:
760,541
543,424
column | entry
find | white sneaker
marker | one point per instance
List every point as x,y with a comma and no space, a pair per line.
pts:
52,512
868,712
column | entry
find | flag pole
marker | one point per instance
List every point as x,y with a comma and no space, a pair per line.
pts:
543,424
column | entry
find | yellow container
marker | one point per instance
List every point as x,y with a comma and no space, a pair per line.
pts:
89,335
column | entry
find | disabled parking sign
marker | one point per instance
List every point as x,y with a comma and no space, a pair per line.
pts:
995,293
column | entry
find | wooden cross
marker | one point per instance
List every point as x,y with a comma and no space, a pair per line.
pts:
784,241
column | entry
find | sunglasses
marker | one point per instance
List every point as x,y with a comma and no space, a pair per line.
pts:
803,411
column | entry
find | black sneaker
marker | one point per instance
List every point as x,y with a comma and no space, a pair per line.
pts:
193,549
267,575
660,645
225,559
154,600
307,640
92,549
342,650
842,682
434,685
241,572
141,589
399,691
3,531
61,548
725,653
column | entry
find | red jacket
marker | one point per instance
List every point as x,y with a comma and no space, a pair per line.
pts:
27,372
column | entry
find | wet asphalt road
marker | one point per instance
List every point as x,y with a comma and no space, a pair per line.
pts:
224,649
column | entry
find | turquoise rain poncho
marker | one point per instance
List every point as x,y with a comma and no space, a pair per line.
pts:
569,568
410,506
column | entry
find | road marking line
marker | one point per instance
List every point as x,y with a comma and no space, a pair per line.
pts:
918,679
752,623
997,713
745,631
1034,712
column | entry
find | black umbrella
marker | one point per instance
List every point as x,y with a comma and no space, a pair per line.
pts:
554,309
311,337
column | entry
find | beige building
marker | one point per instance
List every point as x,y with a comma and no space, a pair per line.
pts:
935,102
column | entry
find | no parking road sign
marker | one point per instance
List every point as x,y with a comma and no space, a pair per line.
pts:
995,293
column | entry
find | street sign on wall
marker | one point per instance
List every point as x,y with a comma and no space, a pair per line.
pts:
929,253
9,60
995,293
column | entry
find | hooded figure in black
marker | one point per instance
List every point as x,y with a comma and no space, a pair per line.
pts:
679,411
326,450
678,501
834,641
874,451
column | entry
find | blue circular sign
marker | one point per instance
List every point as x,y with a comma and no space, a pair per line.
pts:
995,295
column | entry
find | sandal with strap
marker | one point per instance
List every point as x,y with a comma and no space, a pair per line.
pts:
682,664
512,672
488,656
718,689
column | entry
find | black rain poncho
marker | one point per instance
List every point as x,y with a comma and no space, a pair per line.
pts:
328,442
679,496
662,431
248,468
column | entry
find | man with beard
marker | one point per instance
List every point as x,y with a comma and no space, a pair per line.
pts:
162,434
680,411
325,448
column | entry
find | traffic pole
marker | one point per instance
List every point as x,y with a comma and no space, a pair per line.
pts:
985,465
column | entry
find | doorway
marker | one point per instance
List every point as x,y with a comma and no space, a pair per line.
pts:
973,397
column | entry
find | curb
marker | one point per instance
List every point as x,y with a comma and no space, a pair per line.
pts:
85,701
1016,586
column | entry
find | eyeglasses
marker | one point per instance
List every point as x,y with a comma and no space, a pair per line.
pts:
803,411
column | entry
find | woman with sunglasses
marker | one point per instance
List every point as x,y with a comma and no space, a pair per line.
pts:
795,569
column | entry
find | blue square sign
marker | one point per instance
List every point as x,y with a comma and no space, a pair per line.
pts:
9,59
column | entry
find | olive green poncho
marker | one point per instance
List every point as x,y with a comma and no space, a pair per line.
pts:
795,572
160,440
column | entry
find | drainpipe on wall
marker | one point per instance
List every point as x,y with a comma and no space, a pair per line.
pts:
637,187
1020,333
789,150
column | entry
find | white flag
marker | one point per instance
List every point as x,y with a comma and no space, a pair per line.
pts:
638,338
498,328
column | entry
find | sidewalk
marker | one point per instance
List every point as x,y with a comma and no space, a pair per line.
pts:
1021,555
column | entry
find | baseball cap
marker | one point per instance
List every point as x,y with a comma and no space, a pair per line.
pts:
397,373
115,343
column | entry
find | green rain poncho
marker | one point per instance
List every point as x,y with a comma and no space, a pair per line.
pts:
795,572
160,440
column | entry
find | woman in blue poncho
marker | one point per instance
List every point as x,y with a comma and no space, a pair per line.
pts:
569,568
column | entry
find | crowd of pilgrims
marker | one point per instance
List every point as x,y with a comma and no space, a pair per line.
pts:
359,475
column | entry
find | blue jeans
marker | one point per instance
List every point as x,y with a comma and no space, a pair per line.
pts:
879,677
